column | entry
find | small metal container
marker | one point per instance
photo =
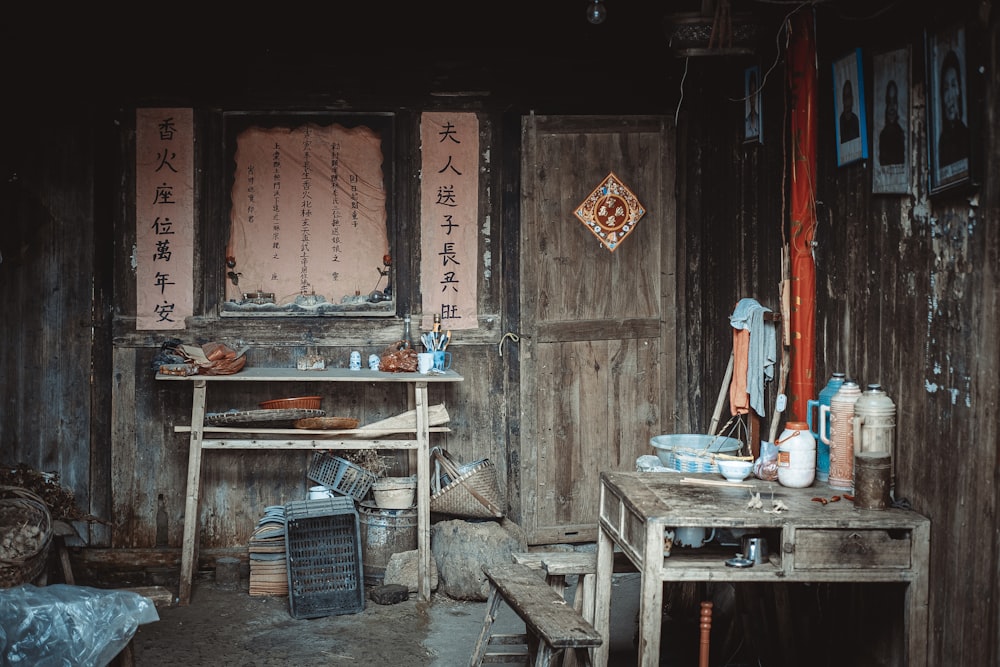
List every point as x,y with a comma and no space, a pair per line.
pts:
755,549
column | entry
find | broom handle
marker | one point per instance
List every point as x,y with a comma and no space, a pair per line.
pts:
722,396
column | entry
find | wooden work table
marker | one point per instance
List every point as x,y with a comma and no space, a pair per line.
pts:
228,438
809,542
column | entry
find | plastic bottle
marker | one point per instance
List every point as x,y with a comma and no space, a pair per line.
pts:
796,456
822,448
407,338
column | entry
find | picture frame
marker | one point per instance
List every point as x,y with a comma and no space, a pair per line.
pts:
949,137
891,122
752,118
851,130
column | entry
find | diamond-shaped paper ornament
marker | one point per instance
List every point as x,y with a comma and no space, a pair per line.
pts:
611,211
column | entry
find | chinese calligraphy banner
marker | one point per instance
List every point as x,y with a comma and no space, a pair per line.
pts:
309,213
449,212
164,218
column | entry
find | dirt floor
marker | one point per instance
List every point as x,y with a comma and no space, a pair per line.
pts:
230,628
233,629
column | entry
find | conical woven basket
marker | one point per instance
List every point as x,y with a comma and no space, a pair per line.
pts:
25,519
472,491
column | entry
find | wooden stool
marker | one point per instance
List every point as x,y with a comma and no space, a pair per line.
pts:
161,597
552,627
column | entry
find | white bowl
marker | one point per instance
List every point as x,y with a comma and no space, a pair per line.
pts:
734,471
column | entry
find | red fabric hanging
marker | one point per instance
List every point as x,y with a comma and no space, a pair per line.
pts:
802,89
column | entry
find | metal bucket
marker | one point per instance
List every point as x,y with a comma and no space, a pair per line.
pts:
384,532
871,480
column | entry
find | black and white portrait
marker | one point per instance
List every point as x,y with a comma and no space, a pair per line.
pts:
849,108
890,122
948,137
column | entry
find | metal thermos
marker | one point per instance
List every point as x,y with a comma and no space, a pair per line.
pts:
875,422
841,439
823,449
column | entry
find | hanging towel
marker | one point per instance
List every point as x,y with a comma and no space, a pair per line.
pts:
761,349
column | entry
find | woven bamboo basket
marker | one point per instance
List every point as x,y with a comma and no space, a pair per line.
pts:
25,536
472,491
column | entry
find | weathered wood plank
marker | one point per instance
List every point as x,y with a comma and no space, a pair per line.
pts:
543,610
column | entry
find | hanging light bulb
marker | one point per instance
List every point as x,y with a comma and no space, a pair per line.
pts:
596,12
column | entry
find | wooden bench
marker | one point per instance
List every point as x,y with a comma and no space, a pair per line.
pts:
557,565
552,627
161,597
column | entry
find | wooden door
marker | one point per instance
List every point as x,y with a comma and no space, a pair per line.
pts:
597,345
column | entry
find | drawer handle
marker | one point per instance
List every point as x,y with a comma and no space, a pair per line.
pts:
854,546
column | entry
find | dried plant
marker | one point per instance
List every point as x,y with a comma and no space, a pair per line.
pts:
369,459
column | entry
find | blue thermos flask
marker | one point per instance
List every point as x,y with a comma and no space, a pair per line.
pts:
823,449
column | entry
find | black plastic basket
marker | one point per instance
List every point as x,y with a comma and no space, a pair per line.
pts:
323,545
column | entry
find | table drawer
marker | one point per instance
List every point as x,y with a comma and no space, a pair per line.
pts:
852,548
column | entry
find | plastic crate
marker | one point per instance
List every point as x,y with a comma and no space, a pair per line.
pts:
323,547
340,475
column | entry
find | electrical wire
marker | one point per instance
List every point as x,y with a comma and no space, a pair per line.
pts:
678,111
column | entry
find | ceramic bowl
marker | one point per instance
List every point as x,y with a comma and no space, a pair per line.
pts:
734,471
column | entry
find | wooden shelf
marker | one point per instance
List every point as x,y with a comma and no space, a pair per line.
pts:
311,439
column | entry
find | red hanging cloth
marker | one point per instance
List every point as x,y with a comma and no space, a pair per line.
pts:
802,89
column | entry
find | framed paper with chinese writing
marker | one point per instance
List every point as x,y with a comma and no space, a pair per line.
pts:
309,215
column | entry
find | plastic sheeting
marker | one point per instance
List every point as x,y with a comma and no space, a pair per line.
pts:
66,626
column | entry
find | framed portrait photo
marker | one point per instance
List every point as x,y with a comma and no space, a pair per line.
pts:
849,109
752,107
891,122
949,140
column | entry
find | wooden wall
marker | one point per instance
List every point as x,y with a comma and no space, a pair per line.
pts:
907,293
907,296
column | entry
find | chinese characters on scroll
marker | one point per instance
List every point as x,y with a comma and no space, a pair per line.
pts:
164,215
449,217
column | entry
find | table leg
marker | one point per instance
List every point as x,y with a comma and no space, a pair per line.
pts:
602,594
651,596
423,490
189,551
916,600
